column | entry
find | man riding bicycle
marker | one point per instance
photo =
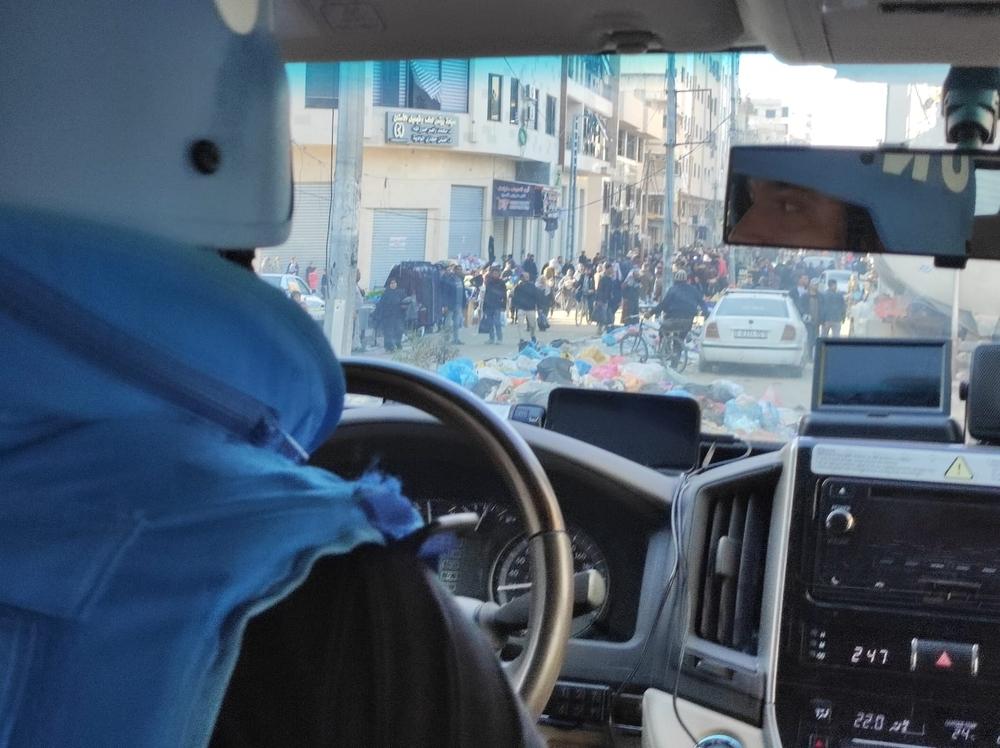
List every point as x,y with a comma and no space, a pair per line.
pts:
679,306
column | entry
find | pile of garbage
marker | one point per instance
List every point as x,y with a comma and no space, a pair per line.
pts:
536,370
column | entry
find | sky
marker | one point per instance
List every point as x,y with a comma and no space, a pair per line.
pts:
843,112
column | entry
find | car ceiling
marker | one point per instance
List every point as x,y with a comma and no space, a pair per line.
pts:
817,31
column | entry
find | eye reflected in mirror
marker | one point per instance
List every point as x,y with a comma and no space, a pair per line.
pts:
781,213
856,200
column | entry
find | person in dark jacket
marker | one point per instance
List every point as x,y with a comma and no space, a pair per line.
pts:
630,295
390,315
810,307
833,310
603,296
530,267
524,299
494,302
453,300
681,303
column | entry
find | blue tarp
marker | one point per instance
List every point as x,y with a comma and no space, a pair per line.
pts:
154,401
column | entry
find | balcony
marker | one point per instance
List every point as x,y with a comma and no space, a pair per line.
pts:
592,72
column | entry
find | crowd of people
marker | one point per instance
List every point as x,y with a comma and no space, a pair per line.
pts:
607,292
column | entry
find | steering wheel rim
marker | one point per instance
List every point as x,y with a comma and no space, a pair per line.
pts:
535,671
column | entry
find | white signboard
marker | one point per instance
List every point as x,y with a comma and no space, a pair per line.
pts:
922,464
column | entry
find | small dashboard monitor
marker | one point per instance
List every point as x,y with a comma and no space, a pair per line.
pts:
872,375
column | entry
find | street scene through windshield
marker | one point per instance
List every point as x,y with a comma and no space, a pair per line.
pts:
521,224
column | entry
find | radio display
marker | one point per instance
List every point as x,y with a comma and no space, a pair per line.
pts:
857,650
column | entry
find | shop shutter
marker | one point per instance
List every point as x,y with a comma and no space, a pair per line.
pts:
465,227
307,240
397,235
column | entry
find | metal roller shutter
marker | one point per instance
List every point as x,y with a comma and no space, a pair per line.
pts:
465,226
397,235
307,240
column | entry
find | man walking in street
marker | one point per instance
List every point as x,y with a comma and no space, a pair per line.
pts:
524,299
530,267
833,311
453,301
494,303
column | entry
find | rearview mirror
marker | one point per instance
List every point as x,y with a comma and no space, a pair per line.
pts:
896,201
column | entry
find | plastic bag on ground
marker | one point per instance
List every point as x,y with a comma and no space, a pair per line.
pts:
647,373
461,371
724,390
592,355
742,413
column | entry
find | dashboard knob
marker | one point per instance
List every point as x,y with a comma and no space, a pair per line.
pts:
839,521
719,741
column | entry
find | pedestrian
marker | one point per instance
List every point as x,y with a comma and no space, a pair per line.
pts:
530,267
800,295
390,315
834,311
603,296
453,300
293,267
544,286
630,295
494,303
312,277
524,299
297,298
813,311
491,251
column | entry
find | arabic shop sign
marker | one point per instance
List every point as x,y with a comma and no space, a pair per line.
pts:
524,199
421,128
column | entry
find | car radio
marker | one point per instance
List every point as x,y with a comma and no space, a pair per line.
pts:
907,545
890,626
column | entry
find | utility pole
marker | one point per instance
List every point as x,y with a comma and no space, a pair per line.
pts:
571,208
734,104
668,191
345,205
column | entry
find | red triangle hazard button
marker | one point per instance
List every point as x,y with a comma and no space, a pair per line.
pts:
944,661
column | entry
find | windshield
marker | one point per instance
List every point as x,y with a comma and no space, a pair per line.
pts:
749,306
505,211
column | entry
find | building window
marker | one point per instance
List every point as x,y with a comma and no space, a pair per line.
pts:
531,95
640,149
769,114
322,85
515,101
550,115
495,98
784,111
622,139
422,84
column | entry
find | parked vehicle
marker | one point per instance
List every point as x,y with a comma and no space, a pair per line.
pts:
314,304
756,327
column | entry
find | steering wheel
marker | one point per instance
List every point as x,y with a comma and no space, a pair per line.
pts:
534,672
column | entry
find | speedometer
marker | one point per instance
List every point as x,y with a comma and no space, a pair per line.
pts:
512,573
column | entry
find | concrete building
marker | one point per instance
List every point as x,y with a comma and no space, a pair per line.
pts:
706,87
455,152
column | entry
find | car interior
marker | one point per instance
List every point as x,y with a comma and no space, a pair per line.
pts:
639,581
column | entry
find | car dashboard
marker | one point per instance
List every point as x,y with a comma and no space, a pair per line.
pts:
834,593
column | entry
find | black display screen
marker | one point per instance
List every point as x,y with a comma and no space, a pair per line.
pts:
874,374
658,431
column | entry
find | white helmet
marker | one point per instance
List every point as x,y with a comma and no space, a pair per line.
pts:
169,117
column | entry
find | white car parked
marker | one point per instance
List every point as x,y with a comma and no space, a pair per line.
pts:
755,327
314,304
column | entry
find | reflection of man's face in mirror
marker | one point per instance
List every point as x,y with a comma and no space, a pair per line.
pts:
786,215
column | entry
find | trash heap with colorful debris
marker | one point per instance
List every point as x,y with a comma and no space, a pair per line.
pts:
595,363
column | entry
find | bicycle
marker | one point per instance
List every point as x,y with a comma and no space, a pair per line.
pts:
633,342
672,349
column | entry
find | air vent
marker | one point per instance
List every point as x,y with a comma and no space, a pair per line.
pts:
736,520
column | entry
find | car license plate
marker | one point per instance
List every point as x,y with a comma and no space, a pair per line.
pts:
749,333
